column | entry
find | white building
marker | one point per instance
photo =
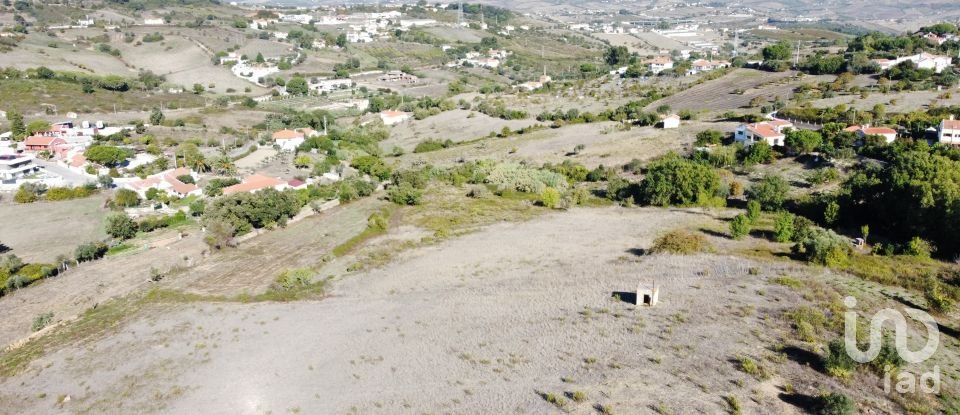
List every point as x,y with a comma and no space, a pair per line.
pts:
168,182
659,64
394,117
888,134
359,37
15,166
703,65
330,85
671,121
949,132
296,18
289,140
773,132
153,22
408,23
923,60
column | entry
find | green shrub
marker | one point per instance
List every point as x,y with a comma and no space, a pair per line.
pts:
294,278
938,300
672,180
770,191
753,211
739,226
120,226
753,368
41,320
90,251
371,165
837,362
550,198
432,145
783,227
680,242
824,247
512,176
919,248
835,403
808,322
404,194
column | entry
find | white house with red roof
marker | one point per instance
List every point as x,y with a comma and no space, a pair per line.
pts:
255,183
703,65
949,132
659,64
394,117
289,140
889,134
773,132
43,143
167,181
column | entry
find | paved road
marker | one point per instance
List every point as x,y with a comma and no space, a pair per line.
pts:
70,177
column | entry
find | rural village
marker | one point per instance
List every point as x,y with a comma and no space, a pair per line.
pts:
509,207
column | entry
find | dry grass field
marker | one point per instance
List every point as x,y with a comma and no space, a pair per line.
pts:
183,62
720,94
471,325
38,232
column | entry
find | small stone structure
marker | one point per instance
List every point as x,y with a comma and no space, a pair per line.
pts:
648,296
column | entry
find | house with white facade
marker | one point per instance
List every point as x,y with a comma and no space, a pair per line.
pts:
772,132
168,182
289,140
923,60
889,134
671,121
703,65
948,132
659,64
394,117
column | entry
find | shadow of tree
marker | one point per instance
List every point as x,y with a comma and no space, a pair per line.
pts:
806,403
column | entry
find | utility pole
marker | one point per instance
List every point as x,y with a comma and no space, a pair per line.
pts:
796,60
736,41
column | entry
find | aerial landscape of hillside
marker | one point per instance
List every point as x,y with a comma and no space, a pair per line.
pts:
525,207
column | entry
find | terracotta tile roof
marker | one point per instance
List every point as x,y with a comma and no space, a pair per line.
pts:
287,135
878,131
38,140
252,183
951,124
853,128
393,113
763,130
296,183
659,60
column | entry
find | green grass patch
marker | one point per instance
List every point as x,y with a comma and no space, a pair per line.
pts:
374,228
121,248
